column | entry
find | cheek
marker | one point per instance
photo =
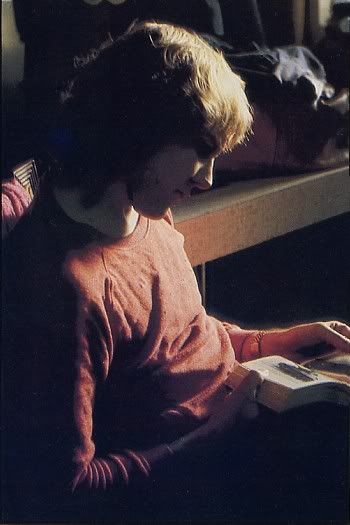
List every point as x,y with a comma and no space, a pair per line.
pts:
153,194
151,203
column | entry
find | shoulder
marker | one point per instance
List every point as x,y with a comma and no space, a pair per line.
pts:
85,269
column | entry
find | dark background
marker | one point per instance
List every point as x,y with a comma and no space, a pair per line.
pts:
299,277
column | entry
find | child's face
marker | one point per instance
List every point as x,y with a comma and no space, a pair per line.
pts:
169,178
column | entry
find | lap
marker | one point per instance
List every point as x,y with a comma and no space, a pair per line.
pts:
284,468
289,467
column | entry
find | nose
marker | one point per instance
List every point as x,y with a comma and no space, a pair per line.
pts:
203,179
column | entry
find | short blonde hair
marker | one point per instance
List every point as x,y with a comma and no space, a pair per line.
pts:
218,91
156,85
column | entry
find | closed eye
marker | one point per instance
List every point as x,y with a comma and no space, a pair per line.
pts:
206,148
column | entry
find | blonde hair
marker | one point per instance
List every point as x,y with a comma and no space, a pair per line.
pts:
219,91
156,85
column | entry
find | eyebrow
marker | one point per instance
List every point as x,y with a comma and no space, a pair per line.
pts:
206,147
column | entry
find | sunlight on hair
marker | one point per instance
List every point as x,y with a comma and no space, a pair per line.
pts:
217,89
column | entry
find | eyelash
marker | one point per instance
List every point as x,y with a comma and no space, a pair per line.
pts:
205,150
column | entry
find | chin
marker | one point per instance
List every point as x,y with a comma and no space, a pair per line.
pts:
159,215
155,215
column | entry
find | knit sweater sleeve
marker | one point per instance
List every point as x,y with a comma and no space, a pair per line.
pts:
60,346
91,362
245,342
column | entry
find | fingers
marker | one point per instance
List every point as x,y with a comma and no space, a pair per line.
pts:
341,328
249,408
336,334
248,388
245,391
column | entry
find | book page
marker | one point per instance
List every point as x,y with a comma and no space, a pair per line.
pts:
333,364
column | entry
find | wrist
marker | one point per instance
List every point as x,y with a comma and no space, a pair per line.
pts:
238,337
252,346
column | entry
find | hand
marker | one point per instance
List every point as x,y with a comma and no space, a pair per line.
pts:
239,402
287,342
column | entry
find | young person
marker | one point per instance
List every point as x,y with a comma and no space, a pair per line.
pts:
113,371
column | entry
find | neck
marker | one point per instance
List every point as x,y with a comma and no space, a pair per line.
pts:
113,215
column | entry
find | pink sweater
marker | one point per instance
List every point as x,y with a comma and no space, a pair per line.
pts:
121,355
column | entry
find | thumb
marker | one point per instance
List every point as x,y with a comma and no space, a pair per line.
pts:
248,388
250,408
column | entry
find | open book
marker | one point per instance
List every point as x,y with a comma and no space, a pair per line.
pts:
289,385
333,364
